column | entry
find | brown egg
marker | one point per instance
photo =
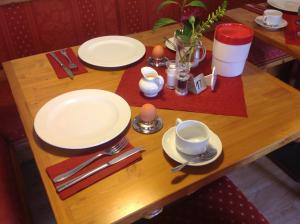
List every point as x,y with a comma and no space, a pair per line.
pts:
158,51
148,112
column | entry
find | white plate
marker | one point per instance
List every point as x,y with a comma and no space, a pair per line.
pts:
169,45
111,51
169,146
82,119
259,21
287,5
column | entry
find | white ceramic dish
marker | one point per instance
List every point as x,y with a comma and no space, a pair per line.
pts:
169,146
111,51
169,45
287,5
259,21
82,119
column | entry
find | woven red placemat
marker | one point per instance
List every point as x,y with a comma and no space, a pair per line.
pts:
227,99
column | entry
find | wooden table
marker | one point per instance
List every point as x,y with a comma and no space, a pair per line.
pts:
275,38
273,121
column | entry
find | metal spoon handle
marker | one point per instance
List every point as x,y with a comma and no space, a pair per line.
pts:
179,167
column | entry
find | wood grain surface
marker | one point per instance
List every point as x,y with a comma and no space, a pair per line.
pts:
273,120
275,38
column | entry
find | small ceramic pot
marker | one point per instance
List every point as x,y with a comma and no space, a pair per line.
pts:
151,83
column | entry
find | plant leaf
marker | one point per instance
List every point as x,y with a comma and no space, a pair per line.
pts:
196,3
163,22
165,3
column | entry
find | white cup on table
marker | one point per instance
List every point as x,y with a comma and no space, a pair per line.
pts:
191,137
272,17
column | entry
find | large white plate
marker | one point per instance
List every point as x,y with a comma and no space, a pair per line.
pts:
287,5
111,51
82,119
169,146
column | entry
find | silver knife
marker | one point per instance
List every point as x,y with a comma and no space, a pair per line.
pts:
75,180
65,68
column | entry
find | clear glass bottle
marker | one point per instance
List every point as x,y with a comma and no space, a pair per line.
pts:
182,77
171,74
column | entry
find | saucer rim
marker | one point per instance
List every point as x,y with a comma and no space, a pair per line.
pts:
258,21
168,133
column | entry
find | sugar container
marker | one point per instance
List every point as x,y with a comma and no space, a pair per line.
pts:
231,46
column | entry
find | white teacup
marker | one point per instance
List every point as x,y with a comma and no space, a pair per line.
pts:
191,137
272,17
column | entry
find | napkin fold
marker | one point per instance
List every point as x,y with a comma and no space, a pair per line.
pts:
60,73
70,163
227,99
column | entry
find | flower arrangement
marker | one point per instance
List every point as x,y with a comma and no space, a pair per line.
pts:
192,28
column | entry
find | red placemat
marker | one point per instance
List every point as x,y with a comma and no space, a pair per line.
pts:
60,73
227,99
290,32
256,8
68,164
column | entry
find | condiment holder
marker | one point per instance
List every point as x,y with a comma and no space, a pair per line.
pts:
151,83
157,59
147,122
230,48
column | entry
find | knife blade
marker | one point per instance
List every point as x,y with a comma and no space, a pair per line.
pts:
119,158
65,68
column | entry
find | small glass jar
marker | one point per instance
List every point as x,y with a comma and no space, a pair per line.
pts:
171,74
182,84
182,77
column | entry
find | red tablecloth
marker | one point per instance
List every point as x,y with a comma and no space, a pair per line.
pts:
227,99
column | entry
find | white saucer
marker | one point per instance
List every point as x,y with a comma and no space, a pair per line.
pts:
168,143
259,21
169,45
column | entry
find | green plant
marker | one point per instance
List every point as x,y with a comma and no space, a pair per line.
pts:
192,28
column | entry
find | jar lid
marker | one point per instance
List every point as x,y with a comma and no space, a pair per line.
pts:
233,33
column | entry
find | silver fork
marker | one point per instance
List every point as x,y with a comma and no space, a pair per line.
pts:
109,151
71,65
209,154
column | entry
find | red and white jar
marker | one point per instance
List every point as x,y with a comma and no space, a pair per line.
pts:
230,48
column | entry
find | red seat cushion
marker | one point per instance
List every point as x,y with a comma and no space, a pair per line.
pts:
11,127
10,204
220,202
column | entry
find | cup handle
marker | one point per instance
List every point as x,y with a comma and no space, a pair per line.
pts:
265,20
178,120
203,55
160,82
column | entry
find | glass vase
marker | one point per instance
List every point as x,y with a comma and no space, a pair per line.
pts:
189,52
